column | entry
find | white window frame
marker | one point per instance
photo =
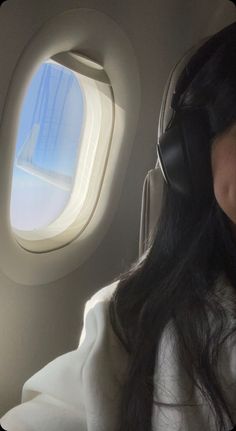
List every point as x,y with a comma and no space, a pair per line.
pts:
97,36
95,140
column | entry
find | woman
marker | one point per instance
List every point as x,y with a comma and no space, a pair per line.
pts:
150,354
194,244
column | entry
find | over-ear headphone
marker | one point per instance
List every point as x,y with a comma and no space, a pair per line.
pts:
181,135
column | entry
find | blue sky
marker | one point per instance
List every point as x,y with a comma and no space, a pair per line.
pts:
54,102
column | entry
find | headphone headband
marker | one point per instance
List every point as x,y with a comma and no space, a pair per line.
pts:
182,136
174,87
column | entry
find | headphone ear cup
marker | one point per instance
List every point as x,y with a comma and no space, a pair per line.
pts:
184,155
172,159
197,146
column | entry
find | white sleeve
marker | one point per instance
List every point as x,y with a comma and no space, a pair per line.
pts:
78,391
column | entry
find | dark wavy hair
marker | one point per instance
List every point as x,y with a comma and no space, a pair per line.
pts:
175,278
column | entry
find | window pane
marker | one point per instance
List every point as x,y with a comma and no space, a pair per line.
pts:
47,147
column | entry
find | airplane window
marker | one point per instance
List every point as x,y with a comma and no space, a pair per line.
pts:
47,147
63,139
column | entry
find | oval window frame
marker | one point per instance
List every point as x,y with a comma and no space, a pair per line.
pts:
99,103
114,50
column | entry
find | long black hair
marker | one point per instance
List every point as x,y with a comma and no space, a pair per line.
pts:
175,279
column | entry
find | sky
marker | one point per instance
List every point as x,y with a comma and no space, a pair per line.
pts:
47,146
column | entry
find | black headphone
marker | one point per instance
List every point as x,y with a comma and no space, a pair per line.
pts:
181,135
184,134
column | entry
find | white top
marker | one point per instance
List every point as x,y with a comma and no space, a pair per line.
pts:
80,390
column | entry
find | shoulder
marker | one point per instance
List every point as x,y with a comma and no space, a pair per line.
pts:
104,294
96,308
